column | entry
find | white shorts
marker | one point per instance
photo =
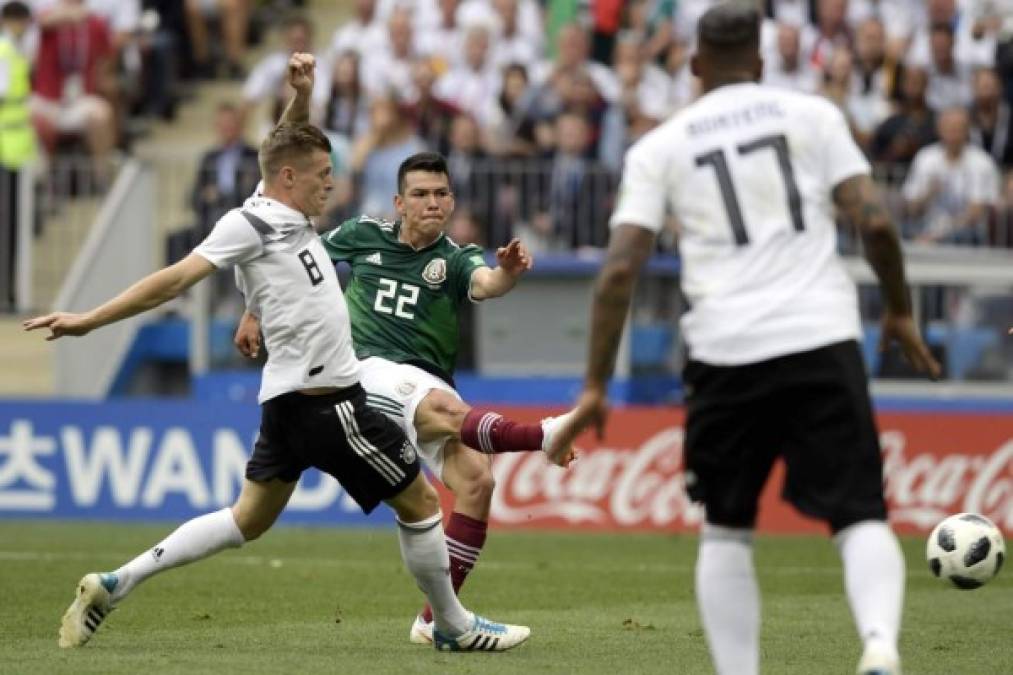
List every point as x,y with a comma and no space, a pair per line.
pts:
396,389
70,117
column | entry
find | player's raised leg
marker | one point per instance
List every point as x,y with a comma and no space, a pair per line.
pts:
98,594
468,474
424,549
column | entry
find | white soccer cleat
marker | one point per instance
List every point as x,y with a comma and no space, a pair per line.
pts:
421,632
484,636
550,425
89,609
878,660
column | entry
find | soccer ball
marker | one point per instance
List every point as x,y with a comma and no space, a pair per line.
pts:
966,550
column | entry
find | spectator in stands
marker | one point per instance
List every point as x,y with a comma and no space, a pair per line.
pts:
471,176
234,16
445,42
73,75
837,74
970,49
465,228
472,84
911,128
991,119
376,155
362,34
641,105
572,57
512,44
788,69
650,23
512,134
339,101
949,80
832,31
227,174
266,81
952,186
389,69
430,114
164,48
876,73
683,85
576,191
17,140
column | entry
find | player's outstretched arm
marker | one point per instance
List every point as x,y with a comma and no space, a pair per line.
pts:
513,260
628,250
149,292
300,77
858,199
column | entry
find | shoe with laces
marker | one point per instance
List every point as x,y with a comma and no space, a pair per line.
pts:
89,609
484,636
421,632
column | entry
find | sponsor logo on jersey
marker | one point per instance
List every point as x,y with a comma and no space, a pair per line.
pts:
407,453
436,271
374,259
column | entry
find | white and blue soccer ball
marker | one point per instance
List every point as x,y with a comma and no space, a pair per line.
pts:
966,550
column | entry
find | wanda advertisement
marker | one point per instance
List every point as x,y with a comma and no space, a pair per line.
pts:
935,464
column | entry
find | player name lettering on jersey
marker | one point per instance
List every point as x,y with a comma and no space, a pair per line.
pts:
752,114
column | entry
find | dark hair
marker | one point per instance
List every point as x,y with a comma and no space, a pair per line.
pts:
287,142
430,162
16,11
729,26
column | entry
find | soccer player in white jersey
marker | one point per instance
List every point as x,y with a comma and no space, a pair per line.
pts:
753,175
313,410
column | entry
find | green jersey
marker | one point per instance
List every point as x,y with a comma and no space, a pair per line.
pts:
403,302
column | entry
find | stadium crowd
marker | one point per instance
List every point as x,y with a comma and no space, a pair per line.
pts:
535,101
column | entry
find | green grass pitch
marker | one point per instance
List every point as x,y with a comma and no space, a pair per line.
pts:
338,601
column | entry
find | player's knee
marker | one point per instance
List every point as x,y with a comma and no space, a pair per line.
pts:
440,414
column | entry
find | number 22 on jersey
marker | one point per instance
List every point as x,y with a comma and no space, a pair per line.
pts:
397,299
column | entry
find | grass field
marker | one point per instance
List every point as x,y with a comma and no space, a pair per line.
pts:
338,601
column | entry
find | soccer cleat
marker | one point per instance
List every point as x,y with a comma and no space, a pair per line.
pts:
89,609
550,425
484,636
878,660
421,632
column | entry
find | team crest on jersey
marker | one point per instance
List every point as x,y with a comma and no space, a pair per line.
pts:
406,388
407,453
435,272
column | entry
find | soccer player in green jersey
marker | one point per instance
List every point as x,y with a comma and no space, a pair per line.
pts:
408,282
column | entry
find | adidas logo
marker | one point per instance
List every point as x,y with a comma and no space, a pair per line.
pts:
157,552
374,259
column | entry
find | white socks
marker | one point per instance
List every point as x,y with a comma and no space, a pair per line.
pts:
874,580
193,540
424,549
729,599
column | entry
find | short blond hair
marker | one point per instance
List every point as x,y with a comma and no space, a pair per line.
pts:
289,142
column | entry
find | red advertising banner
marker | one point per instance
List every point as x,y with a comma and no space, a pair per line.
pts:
935,464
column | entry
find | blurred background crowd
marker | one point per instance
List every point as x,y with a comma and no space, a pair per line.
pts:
532,101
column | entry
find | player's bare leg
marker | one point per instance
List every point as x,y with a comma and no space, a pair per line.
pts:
468,474
424,549
256,509
443,415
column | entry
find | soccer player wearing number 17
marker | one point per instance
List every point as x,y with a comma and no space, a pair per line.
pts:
753,174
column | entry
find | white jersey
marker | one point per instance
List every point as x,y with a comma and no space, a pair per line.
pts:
748,172
287,275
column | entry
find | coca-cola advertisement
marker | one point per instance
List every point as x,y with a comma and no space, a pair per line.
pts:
935,464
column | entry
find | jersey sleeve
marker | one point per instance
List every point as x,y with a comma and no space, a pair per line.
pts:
642,191
341,242
842,158
461,266
232,241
